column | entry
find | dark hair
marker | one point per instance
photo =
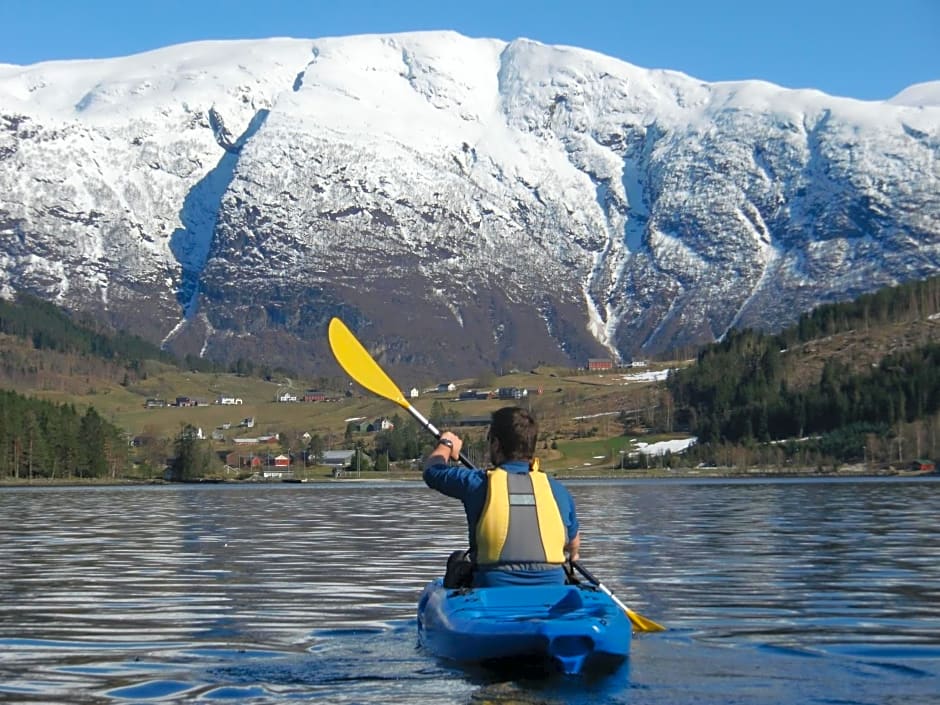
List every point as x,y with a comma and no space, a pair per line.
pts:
516,430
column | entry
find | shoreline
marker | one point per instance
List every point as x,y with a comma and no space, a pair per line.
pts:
849,472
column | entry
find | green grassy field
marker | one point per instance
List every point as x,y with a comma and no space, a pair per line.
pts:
577,410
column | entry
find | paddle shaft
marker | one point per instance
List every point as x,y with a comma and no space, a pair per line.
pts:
603,588
641,623
431,428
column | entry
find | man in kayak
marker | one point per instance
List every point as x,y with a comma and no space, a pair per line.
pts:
521,522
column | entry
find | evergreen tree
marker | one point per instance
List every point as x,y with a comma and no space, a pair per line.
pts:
91,459
315,448
192,456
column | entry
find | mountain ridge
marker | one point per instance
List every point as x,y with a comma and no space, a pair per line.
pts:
492,201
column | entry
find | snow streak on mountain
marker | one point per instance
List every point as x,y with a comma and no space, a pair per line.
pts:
462,203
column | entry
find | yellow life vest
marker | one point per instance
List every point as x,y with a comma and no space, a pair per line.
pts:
521,522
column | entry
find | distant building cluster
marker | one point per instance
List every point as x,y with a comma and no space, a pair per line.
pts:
606,363
259,455
288,396
501,393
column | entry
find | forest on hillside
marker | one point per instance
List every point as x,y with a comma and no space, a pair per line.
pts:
48,327
738,394
56,441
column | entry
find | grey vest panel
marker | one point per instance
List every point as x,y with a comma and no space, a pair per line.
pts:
524,540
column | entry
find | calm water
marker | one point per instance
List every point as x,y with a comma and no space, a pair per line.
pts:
773,592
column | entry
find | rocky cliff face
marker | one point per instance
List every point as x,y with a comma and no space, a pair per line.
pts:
463,204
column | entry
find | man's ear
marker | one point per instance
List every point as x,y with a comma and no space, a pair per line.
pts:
496,451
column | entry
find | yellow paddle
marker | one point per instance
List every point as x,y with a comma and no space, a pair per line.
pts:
359,365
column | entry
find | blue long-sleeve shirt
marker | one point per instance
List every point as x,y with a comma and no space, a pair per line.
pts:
469,486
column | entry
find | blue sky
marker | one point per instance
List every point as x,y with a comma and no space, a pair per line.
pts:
862,49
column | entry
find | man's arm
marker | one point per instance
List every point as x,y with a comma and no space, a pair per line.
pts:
569,516
439,474
573,547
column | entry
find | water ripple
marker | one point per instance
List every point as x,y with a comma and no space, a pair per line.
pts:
273,594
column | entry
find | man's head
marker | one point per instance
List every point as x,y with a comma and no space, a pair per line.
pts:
512,436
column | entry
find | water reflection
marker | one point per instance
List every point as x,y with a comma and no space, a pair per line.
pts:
272,594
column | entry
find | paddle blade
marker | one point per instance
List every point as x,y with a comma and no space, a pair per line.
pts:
643,624
359,365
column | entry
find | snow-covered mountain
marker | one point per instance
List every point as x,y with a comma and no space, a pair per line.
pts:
461,203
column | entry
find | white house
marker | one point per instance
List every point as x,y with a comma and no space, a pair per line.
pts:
413,393
228,401
286,397
447,387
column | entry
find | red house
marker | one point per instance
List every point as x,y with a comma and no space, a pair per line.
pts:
238,460
599,363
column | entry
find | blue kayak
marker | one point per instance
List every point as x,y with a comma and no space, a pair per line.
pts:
571,629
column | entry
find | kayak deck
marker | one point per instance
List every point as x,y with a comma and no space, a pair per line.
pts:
571,628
